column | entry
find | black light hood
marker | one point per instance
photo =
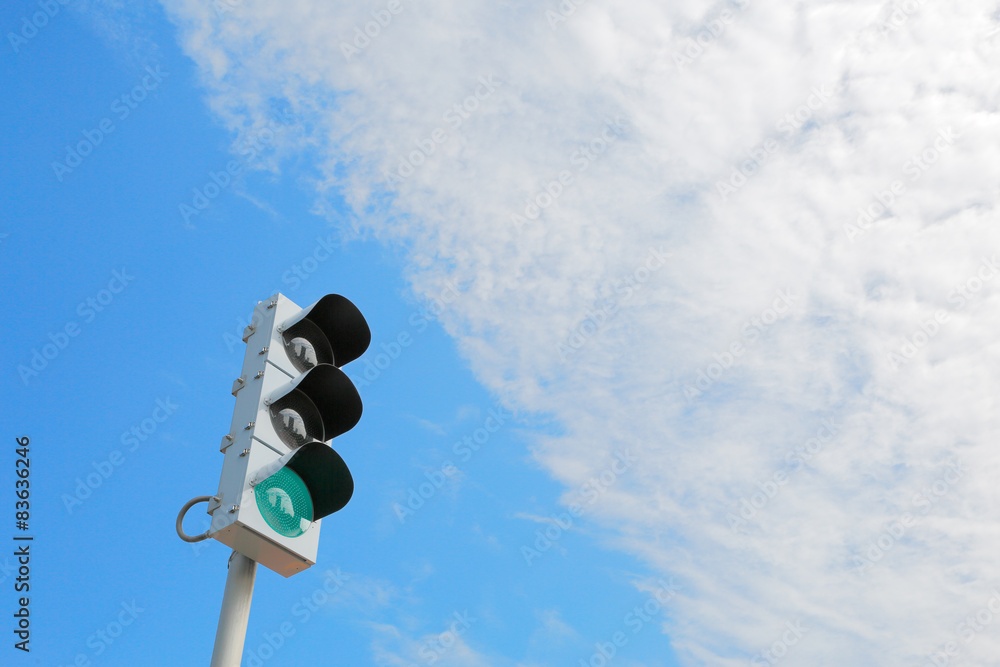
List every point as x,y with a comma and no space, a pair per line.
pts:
341,323
325,475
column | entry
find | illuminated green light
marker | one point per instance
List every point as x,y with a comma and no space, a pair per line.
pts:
285,503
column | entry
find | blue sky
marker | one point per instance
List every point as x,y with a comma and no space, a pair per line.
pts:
724,270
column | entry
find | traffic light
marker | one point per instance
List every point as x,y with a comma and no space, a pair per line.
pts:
280,476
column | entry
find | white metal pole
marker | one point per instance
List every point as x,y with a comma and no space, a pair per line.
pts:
235,613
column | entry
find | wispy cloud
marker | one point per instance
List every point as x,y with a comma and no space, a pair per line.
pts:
899,81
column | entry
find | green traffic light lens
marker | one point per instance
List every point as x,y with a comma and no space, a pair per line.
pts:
285,503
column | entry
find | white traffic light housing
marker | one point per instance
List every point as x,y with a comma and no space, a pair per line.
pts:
280,477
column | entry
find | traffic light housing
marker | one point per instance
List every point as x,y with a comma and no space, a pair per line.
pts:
280,476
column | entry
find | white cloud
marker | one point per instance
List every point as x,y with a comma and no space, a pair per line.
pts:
552,629
394,647
685,129
122,27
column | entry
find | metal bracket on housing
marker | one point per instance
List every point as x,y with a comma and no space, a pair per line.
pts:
180,518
